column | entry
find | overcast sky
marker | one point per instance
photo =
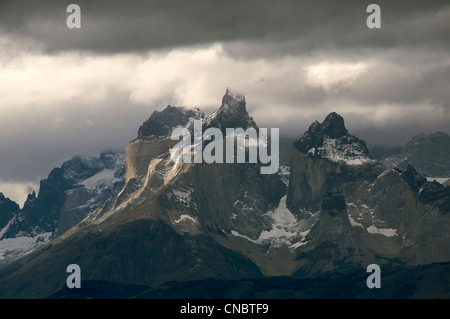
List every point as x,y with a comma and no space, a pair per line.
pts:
66,92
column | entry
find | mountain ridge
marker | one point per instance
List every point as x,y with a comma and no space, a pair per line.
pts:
189,221
428,153
65,197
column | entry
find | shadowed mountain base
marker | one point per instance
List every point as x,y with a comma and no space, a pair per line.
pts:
419,282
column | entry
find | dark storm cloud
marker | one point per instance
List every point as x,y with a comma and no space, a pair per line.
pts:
406,86
295,26
43,139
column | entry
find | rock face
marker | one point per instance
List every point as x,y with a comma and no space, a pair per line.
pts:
341,211
324,157
332,245
436,194
160,124
154,138
65,197
138,154
8,209
413,178
333,223
431,193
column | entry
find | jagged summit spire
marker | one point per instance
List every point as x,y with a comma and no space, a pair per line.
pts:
330,139
232,113
231,92
233,101
334,126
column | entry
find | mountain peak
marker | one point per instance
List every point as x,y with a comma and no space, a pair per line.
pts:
233,102
161,123
7,205
232,113
413,178
334,126
31,196
428,140
330,139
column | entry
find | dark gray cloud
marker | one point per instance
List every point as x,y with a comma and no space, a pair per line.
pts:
296,26
41,140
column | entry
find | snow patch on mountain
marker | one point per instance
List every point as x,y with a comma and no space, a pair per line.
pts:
182,195
237,234
395,160
353,222
336,151
286,229
284,171
440,180
285,226
12,248
388,232
185,217
362,216
102,178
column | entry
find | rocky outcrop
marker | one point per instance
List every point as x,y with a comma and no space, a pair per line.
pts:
333,223
428,192
8,211
154,138
324,158
436,194
139,154
413,178
333,245
160,124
